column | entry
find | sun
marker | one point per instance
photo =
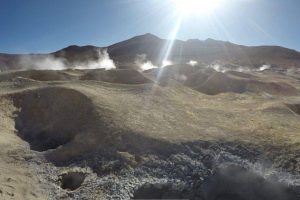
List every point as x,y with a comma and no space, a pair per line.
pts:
195,7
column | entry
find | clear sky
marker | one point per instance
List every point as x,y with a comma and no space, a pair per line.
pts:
48,25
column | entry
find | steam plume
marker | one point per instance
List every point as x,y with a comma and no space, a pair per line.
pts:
166,63
192,63
104,61
49,62
142,62
218,68
42,62
264,67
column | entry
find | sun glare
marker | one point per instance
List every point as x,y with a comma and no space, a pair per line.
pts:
166,63
196,7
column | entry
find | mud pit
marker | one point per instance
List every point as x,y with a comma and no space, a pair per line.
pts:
51,117
72,180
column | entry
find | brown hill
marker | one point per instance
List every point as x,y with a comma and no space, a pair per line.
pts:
211,82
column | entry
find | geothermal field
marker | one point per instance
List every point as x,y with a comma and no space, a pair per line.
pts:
120,122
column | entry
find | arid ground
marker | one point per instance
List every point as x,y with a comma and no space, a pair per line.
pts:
178,133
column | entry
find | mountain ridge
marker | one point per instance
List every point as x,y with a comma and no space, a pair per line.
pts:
207,51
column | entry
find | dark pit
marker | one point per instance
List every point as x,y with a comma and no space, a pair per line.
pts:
72,180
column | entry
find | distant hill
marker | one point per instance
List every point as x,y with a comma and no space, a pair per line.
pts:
124,53
206,52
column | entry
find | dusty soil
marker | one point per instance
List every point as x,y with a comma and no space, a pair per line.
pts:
18,178
90,137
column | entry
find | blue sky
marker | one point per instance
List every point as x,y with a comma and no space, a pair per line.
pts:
48,25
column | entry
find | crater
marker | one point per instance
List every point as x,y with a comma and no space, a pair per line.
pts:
72,180
51,117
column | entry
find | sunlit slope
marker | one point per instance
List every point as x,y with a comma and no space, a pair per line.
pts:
93,125
127,115
178,114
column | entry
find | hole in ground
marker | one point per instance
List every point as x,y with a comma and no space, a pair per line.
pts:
50,117
160,191
72,180
236,183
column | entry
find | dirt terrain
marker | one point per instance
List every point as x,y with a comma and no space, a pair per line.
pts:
178,132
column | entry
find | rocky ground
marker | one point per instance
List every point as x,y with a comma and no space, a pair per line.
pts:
127,135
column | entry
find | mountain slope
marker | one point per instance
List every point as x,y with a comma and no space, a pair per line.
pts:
124,54
207,51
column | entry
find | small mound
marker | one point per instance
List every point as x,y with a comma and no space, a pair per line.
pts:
180,69
275,109
199,77
38,75
121,76
274,88
72,180
166,74
218,82
50,117
65,125
211,82
239,74
295,108
23,82
236,183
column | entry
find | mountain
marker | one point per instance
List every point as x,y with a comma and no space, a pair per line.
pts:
154,48
206,52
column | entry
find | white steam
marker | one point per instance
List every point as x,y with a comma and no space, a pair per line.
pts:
223,69
218,68
243,69
104,61
49,62
180,77
192,63
166,63
264,67
41,62
142,62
